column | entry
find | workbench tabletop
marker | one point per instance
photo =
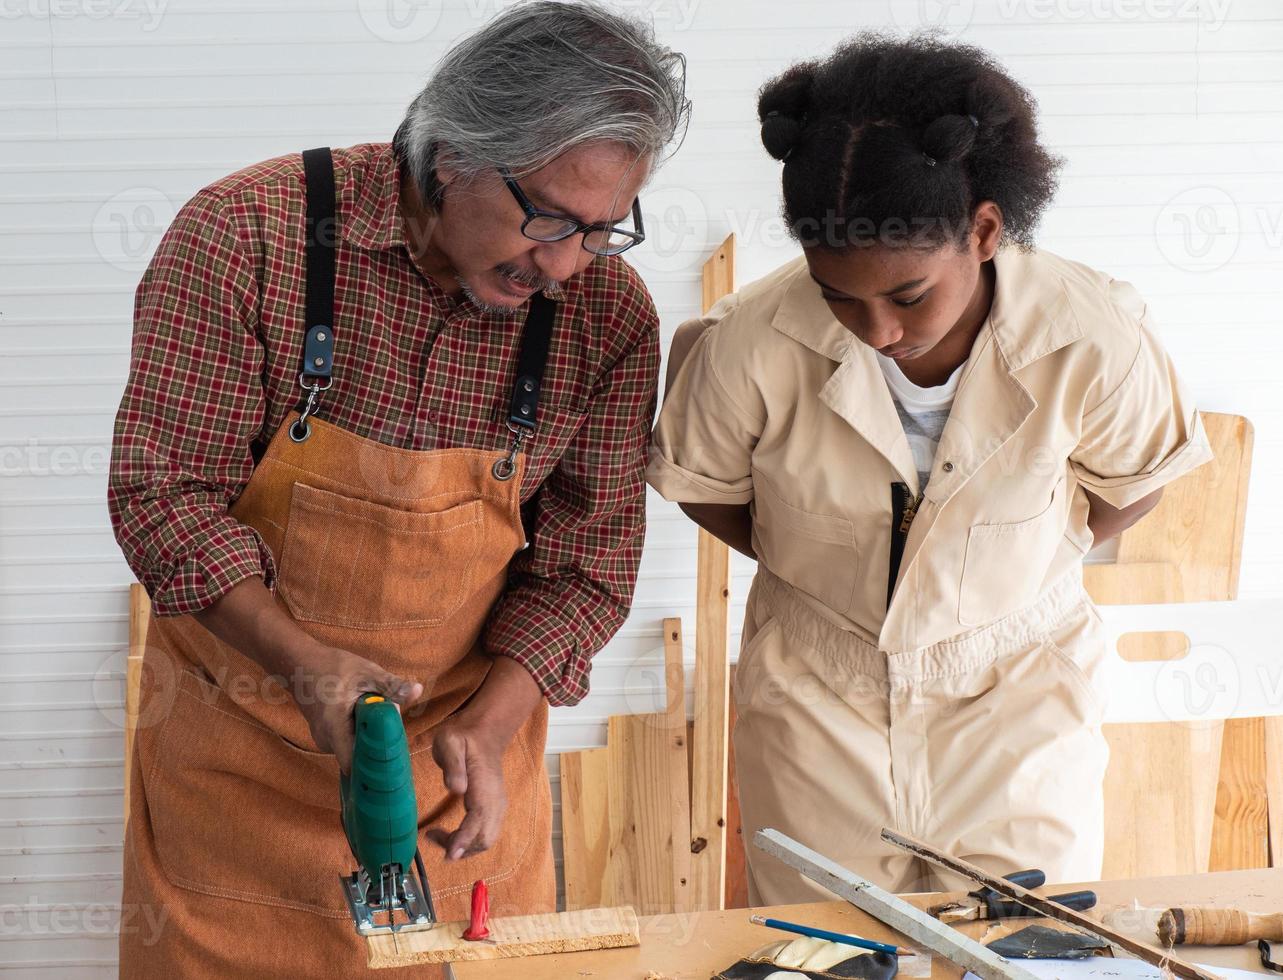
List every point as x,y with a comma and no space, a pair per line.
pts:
697,944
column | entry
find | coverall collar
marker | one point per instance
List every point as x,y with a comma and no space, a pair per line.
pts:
1029,318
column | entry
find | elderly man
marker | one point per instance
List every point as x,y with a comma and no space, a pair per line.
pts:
385,431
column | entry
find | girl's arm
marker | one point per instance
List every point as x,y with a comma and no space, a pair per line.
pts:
729,522
1107,521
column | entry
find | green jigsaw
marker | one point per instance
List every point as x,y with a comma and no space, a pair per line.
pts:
381,819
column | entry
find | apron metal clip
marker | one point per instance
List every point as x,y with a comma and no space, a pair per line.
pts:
505,467
299,428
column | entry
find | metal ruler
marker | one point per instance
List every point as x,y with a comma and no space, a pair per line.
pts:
890,909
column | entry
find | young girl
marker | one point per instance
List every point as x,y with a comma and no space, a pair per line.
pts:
918,429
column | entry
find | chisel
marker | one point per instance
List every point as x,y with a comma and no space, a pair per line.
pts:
1218,927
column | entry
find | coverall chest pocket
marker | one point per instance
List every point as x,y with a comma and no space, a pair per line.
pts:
1005,564
354,563
816,553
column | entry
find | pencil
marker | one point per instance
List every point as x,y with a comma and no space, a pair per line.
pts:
835,937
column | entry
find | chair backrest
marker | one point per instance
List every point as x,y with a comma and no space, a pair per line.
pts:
1188,779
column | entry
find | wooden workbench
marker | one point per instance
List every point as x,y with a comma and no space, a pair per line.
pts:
693,946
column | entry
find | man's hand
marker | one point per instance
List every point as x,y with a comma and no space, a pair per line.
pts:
326,688
469,748
471,761
325,681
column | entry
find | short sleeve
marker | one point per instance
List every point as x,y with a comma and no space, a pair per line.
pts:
702,444
1144,434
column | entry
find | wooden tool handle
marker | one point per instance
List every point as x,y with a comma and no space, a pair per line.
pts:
1217,927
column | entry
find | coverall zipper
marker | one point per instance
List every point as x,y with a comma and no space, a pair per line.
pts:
903,507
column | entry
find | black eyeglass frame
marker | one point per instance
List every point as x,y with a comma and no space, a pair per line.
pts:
579,228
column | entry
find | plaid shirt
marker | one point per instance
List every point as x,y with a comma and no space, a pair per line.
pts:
218,330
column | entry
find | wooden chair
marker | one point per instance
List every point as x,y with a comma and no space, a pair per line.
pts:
1187,797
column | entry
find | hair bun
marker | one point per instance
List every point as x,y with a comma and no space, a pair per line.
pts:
780,134
950,138
782,105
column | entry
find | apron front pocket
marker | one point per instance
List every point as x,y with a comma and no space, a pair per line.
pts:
239,812
361,565
1005,564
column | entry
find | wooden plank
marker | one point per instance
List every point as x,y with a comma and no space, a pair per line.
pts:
908,919
1163,959
585,827
708,760
736,857
719,273
677,767
139,616
712,676
1274,787
630,872
626,808
1242,828
646,811
1160,797
513,936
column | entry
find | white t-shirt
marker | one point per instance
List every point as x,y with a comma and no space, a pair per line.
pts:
923,412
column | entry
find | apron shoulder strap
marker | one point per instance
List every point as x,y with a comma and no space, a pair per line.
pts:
532,359
319,252
320,249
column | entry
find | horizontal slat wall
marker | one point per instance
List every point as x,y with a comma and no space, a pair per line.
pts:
113,113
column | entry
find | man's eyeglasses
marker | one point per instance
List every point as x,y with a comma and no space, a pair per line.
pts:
601,238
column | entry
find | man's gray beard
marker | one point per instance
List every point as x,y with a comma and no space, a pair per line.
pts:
484,307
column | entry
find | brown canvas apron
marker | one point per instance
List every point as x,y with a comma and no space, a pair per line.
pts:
234,844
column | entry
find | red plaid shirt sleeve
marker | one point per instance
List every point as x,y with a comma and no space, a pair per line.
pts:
572,589
191,407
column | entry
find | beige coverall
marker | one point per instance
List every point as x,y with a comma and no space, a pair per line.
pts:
966,710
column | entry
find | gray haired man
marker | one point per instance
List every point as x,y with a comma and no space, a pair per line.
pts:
394,447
